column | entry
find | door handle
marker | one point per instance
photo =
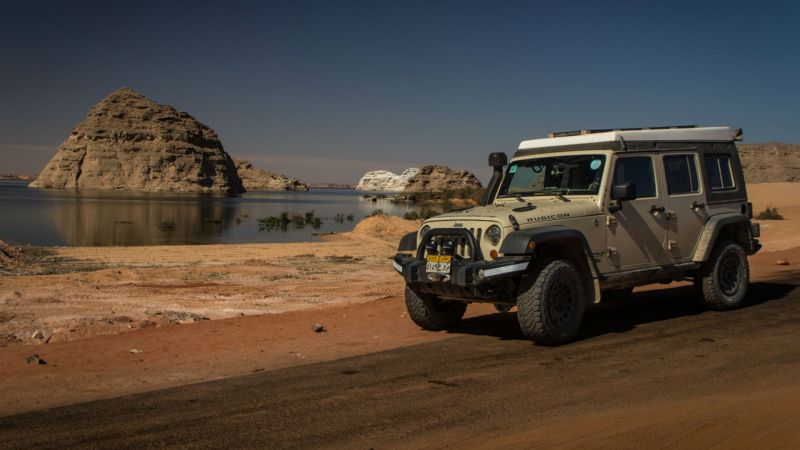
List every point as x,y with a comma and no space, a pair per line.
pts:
696,205
653,209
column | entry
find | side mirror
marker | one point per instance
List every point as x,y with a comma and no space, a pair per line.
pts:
625,191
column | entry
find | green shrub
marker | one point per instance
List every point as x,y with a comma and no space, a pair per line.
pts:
771,213
298,220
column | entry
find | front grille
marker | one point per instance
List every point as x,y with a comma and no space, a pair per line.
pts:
461,239
463,244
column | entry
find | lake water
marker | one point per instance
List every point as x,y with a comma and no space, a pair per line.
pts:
56,217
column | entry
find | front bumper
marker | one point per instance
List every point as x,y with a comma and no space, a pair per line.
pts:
464,273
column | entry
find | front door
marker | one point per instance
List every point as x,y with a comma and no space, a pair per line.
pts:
686,209
637,233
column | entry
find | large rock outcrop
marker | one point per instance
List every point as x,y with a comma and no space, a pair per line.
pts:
440,179
129,142
770,163
255,179
386,181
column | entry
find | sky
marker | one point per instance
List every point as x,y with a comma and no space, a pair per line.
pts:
326,90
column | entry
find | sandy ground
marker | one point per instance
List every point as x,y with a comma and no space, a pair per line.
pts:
73,319
778,234
143,287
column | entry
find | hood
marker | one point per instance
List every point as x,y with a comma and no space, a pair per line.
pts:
536,211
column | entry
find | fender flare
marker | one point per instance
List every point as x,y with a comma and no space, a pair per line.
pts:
408,243
516,243
710,232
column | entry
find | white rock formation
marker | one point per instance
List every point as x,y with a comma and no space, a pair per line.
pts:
386,181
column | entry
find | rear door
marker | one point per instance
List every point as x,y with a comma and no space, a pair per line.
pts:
685,202
637,233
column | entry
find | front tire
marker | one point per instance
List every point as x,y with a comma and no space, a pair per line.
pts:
431,313
550,303
725,277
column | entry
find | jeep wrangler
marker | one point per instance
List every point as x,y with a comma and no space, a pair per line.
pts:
583,217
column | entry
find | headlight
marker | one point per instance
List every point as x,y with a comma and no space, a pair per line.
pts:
493,234
424,230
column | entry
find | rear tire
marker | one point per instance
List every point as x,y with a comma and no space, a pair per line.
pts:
725,277
431,313
550,303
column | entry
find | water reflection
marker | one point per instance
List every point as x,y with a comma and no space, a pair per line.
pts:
117,219
104,218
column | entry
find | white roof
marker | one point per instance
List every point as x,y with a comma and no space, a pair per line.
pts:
669,134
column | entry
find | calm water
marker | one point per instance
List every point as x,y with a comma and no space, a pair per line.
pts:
41,217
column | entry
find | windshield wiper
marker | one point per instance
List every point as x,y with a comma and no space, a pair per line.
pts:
520,195
556,194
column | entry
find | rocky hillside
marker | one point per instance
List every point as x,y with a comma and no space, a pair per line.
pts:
440,179
255,179
386,181
770,163
129,142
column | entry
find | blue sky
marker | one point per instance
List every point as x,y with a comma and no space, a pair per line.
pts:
324,90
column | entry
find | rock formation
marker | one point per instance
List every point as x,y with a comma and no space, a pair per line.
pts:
770,163
8,254
129,142
441,178
386,181
255,179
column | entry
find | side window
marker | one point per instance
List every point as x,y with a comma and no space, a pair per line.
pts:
639,171
718,169
681,173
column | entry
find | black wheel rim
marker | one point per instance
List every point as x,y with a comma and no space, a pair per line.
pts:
561,301
730,274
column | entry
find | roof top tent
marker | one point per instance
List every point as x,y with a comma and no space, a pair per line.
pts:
704,140
632,139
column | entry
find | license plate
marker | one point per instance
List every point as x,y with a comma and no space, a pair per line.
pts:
438,264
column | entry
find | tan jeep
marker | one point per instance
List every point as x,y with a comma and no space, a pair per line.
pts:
583,217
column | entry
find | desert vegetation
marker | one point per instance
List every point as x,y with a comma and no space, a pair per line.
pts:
770,213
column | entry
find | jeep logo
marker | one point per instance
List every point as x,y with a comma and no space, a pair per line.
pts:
458,225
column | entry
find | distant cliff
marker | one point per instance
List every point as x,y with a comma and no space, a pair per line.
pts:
425,179
385,181
255,179
129,142
440,179
770,163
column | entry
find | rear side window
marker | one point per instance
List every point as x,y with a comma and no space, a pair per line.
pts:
718,170
637,170
681,173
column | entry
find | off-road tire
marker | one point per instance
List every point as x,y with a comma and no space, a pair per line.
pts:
431,313
551,302
725,277
616,295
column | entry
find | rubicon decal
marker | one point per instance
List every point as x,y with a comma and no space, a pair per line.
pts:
550,217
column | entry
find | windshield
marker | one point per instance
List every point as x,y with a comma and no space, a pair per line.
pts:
570,174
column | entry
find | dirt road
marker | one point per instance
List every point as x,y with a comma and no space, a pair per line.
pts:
124,371
653,373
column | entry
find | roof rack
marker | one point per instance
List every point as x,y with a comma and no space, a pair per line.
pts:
606,130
